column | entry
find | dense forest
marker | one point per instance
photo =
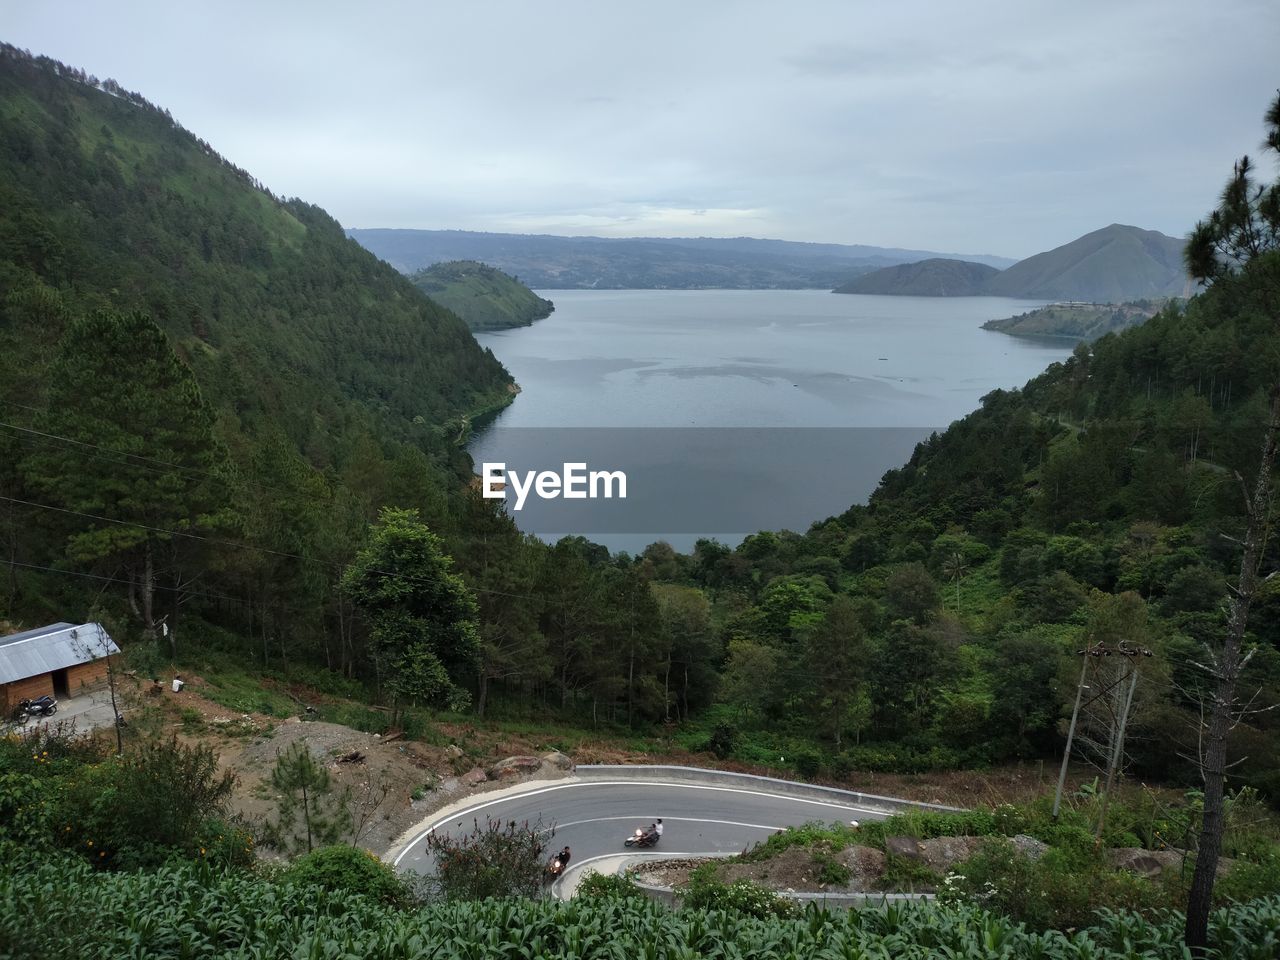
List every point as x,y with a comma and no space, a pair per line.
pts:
483,296
210,395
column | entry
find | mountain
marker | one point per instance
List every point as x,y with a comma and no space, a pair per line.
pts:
549,262
1111,265
106,202
1077,321
483,296
927,278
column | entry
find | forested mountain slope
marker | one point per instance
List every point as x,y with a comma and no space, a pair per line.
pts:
105,202
483,296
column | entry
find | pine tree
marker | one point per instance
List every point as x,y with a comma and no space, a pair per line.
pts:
309,813
1239,244
131,455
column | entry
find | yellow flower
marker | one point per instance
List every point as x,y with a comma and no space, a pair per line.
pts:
89,842
202,851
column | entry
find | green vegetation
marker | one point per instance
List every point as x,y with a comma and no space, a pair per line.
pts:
347,871
483,296
58,910
1078,321
308,814
927,278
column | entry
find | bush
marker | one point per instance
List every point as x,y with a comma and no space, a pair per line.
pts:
139,809
605,886
500,859
1056,892
722,740
347,870
706,891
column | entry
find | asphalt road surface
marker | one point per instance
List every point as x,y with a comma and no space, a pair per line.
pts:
594,818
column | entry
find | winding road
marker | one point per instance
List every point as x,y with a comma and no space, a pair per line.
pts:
594,816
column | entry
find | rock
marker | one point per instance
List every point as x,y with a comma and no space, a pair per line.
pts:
943,853
908,847
514,767
1145,863
559,761
453,751
473,776
1029,847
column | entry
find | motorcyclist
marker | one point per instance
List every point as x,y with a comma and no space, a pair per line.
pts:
658,828
559,862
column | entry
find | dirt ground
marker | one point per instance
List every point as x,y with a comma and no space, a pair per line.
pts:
397,783
394,783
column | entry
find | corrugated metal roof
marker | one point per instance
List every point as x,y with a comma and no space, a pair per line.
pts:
59,645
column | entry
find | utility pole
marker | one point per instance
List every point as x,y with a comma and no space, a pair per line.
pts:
1097,650
1117,745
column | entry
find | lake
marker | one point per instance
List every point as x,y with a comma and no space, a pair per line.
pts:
739,410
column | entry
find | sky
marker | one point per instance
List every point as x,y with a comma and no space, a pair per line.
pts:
967,127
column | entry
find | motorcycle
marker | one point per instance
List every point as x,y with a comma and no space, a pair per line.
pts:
641,838
44,706
555,869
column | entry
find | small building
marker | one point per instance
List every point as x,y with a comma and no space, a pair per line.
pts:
60,660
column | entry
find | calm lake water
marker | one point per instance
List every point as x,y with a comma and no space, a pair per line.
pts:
886,370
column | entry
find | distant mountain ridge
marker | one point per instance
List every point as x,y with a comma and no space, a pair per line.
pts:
1111,265
552,262
1116,264
928,278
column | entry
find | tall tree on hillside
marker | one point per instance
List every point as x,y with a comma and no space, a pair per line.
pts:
422,616
837,652
135,456
1238,243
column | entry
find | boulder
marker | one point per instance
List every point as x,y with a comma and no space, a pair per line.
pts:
474,776
1029,847
908,847
1145,863
513,768
943,853
559,761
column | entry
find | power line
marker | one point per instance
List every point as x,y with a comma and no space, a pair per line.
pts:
239,545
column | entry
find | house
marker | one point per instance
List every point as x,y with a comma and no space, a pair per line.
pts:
60,660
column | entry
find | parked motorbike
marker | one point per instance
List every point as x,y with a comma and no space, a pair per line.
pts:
641,838
44,706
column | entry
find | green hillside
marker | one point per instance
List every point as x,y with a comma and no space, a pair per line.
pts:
485,297
928,278
105,202
1077,321
1111,265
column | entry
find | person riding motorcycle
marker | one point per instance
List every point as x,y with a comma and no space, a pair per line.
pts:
559,862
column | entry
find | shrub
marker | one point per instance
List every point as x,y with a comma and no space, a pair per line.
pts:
706,891
139,809
602,886
348,870
722,740
500,859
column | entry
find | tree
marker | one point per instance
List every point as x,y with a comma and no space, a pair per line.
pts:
1239,243
309,814
422,616
836,657
117,386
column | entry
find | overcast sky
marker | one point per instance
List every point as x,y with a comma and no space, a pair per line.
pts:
967,127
